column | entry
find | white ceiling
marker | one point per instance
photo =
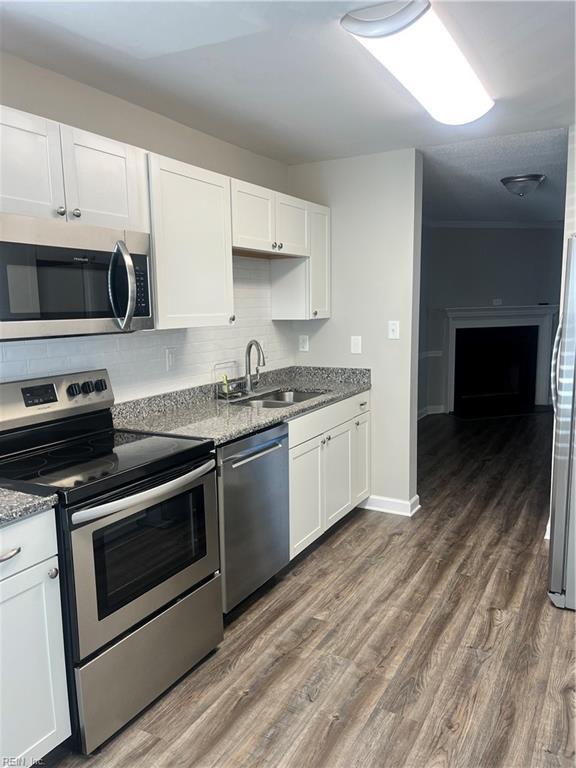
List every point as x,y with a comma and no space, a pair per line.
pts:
462,181
283,78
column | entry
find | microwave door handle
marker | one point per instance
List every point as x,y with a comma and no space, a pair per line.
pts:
125,322
152,496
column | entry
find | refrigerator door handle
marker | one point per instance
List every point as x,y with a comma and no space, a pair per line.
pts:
554,366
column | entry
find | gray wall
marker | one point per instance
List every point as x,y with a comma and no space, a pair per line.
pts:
376,223
471,267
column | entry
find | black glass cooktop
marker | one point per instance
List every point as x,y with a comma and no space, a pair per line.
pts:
101,462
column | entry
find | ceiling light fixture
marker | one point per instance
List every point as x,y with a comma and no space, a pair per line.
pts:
408,38
524,184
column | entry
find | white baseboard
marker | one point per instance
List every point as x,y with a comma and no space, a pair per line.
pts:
393,506
430,410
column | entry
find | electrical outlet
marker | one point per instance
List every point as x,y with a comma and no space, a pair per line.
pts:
496,302
393,329
170,358
303,343
356,345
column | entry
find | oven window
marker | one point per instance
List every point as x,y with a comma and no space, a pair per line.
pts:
143,550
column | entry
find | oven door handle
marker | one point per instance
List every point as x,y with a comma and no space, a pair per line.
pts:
125,322
152,495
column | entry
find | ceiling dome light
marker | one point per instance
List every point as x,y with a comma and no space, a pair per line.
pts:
524,184
408,38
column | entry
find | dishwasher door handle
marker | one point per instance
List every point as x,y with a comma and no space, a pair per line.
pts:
251,456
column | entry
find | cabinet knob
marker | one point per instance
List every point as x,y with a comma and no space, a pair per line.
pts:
315,313
61,211
274,245
77,212
53,573
280,246
328,437
232,318
322,442
357,423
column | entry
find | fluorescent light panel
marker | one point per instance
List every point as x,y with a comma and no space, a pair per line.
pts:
427,61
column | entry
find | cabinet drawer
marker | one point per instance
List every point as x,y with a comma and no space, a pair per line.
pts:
35,536
311,424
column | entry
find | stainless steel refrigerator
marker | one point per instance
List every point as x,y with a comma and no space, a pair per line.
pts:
562,568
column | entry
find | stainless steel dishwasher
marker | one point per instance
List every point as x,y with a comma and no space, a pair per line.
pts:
253,508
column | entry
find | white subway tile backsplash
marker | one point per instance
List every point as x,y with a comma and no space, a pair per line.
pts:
137,362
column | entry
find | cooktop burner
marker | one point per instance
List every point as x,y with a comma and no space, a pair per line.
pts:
108,457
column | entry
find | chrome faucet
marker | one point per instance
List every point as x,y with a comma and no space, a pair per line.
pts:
261,361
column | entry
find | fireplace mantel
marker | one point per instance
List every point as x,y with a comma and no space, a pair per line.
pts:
545,316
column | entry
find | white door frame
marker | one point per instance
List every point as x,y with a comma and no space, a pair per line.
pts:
545,317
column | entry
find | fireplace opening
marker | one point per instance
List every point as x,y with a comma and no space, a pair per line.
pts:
495,372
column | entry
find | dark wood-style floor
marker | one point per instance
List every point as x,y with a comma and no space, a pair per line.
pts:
414,643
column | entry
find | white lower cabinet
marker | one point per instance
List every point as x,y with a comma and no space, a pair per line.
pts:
35,715
329,474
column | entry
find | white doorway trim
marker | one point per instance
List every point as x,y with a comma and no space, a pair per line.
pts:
545,317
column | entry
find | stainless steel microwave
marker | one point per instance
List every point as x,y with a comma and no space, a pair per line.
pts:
62,279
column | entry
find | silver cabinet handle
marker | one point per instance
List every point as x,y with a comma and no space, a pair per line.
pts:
364,404
232,318
274,245
280,246
322,442
153,495
328,437
77,213
53,573
357,423
554,366
258,455
120,248
10,554
61,211
315,312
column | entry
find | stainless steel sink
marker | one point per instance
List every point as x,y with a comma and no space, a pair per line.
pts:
287,396
278,398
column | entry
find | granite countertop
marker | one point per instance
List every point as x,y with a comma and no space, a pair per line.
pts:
195,412
15,505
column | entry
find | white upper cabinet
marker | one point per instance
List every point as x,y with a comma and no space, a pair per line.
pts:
53,171
301,287
292,225
253,216
31,179
106,183
263,220
320,261
192,245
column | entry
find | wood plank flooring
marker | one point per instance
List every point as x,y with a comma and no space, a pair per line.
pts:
396,643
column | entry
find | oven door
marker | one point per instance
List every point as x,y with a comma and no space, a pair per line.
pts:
97,283
132,556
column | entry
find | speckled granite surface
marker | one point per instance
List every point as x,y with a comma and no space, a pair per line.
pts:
195,412
15,505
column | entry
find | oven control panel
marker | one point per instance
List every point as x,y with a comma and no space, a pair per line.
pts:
54,397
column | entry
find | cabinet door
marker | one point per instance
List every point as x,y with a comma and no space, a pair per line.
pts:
33,678
32,183
253,217
106,182
191,237
361,459
338,472
292,225
306,494
320,260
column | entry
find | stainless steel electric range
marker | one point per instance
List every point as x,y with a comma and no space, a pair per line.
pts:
138,543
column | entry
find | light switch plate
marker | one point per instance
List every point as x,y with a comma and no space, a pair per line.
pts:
303,343
393,329
356,345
